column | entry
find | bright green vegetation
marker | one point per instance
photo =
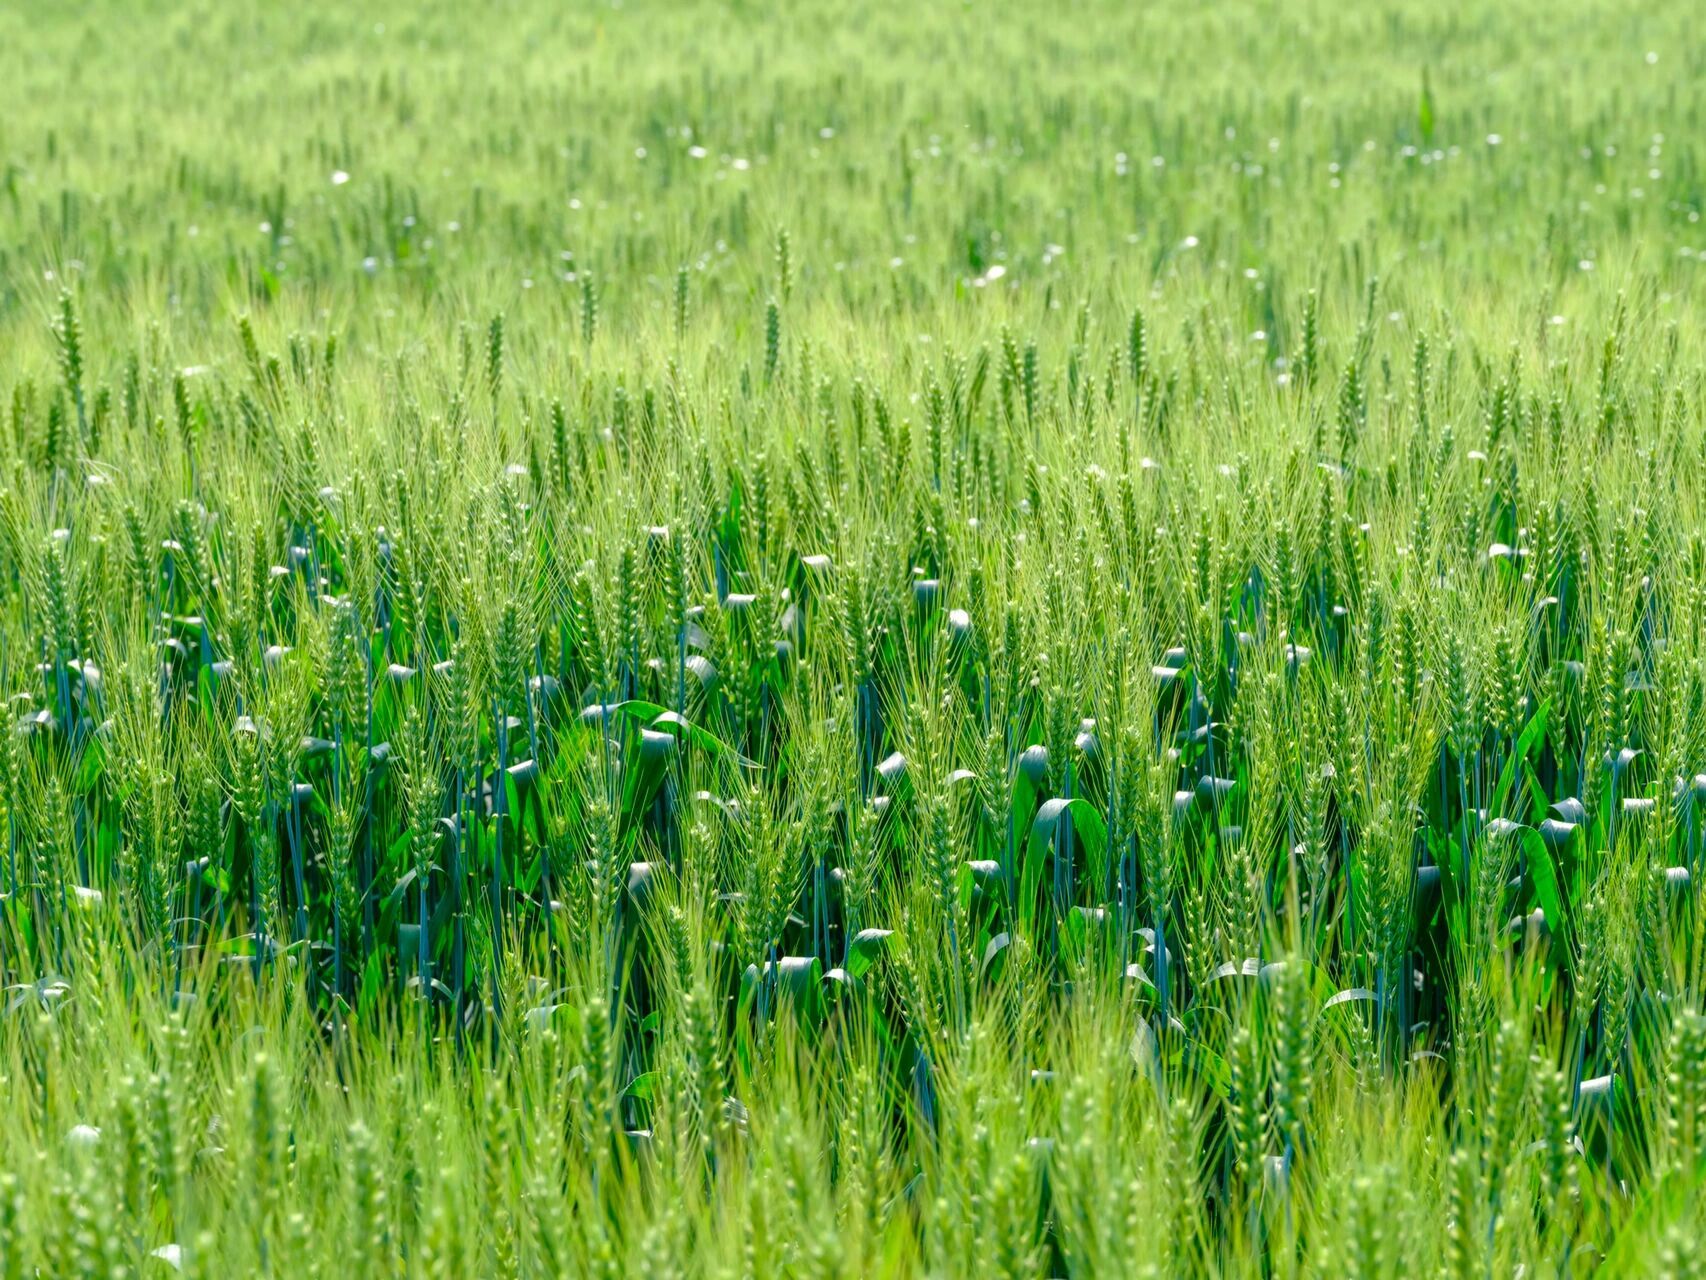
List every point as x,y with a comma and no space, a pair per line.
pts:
852,639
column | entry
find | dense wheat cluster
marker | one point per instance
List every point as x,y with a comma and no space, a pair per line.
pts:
846,640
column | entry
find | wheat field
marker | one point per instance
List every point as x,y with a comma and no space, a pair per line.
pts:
787,640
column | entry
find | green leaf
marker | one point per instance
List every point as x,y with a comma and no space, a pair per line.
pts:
1087,825
1548,893
1532,733
642,1086
868,946
1347,996
663,720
